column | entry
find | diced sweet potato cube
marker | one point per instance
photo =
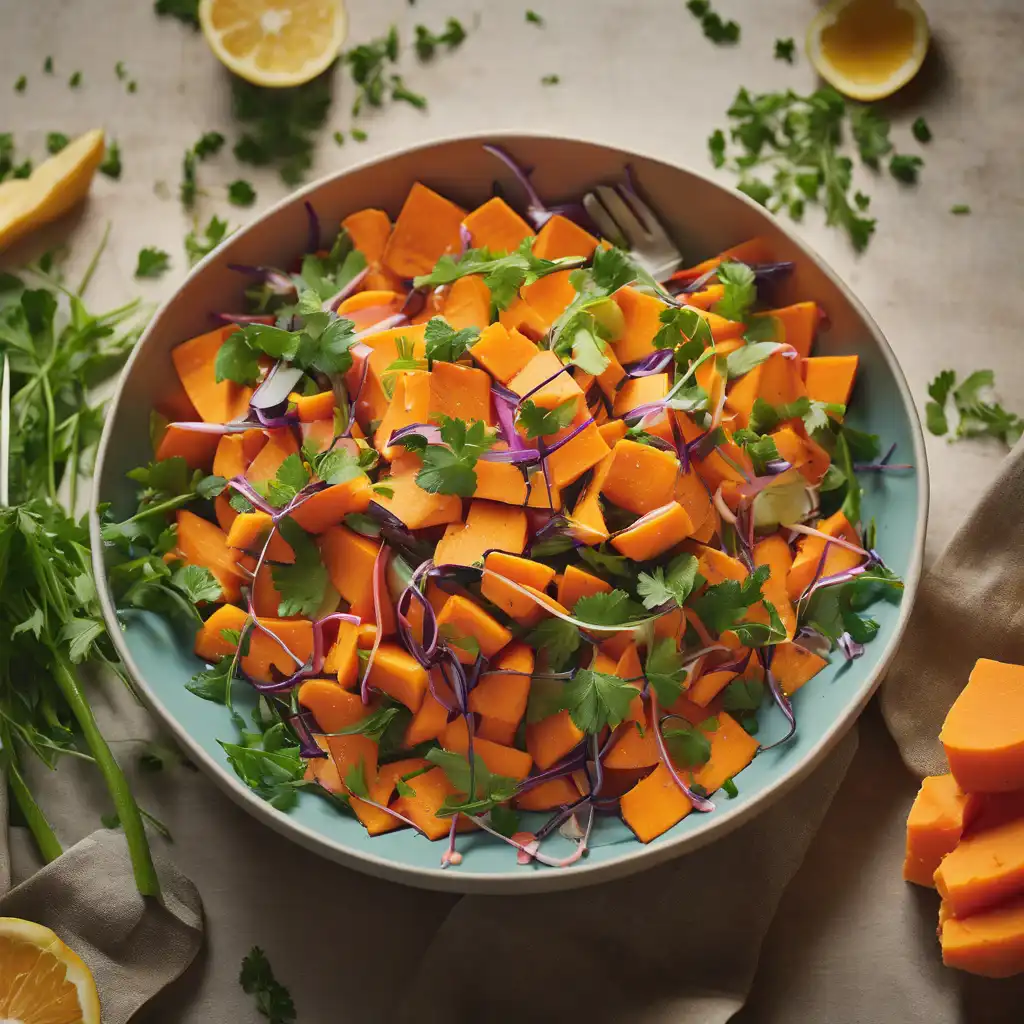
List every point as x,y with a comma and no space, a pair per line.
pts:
940,814
810,550
195,361
654,805
793,665
830,378
502,697
560,386
462,392
398,674
496,226
638,391
546,796
776,381
523,571
333,707
466,619
576,583
489,526
507,761
641,313
552,738
427,228
503,353
655,533
202,543
500,481
210,641
990,944
640,478
575,457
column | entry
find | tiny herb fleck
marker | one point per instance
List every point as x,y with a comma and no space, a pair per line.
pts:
785,49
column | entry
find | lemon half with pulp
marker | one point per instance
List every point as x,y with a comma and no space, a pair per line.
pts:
867,49
41,980
276,43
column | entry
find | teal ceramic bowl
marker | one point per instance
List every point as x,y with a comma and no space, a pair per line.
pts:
704,218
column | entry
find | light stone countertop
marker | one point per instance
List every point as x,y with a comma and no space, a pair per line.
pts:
635,74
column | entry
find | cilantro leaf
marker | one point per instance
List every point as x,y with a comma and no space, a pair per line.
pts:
959,209
197,583
688,745
208,144
302,584
844,461
716,147
236,361
481,790
871,134
743,695
722,604
835,610
448,467
595,700
427,42
534,18
760,447
904,167
444,344
665,671
152,263
111,165
290,478
558,640
611,609
403,94
56,141
785,49
273,774
920,130
355,780
186,11
740,292
982,418
257,979
241,193
337,466
213,684
538,422
201,243
675,582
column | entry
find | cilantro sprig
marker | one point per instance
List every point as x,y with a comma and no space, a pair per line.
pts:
273,1000
671,583
538,422
448,468
595,700
977,415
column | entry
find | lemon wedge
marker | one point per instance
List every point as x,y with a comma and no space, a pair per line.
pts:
50,190
41,980
867,49
275,43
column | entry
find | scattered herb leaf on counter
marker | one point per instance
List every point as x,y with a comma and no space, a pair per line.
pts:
199,243
785,49
48,65
904,167
339,138
75,80
367,63
976,417
402,93
152,262
55,142
959,209
717,30
550,80
534,18
241,193
20,84
208,144
359,135
111,165
920,130
257,979
427,42
186,11
120,71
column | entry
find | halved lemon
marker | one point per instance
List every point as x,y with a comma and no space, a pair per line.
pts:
276,43
867,49
41,980
50,190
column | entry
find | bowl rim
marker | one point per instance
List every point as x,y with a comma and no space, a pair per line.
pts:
636,857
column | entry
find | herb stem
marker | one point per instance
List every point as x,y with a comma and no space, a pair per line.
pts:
51,416
91,268
46,839
124,803
164,506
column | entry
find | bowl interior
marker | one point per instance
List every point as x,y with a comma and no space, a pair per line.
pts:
704,218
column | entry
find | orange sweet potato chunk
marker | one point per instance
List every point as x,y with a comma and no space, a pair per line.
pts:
776,381
575,457
489,525
793,665
754,250
990,944
502,698
983,735
507,761
503,353
708,685
210,641
654,805
349,559
496,226
561,237
523,571
549,296
799,325
342,659
640,478
984,869
427,228
205,544
633,749
266,654
466,619
638,391
810,550
552,738
398,674
641,313
830,378
409,404
333,707
369,230
548,795
197,449
938,818
500,481
280,444
329,507
415,507
460,391
655,533
468,303
576,583
194,360
560,387
431,789
430,720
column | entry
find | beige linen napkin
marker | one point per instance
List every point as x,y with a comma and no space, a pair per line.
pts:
134,946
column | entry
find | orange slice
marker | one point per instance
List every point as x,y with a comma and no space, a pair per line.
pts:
275,43
41,980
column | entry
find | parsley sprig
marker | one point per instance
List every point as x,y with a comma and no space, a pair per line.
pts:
257,979
448,468
977,416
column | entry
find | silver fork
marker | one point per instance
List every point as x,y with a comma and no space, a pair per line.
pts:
620,213
5,434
